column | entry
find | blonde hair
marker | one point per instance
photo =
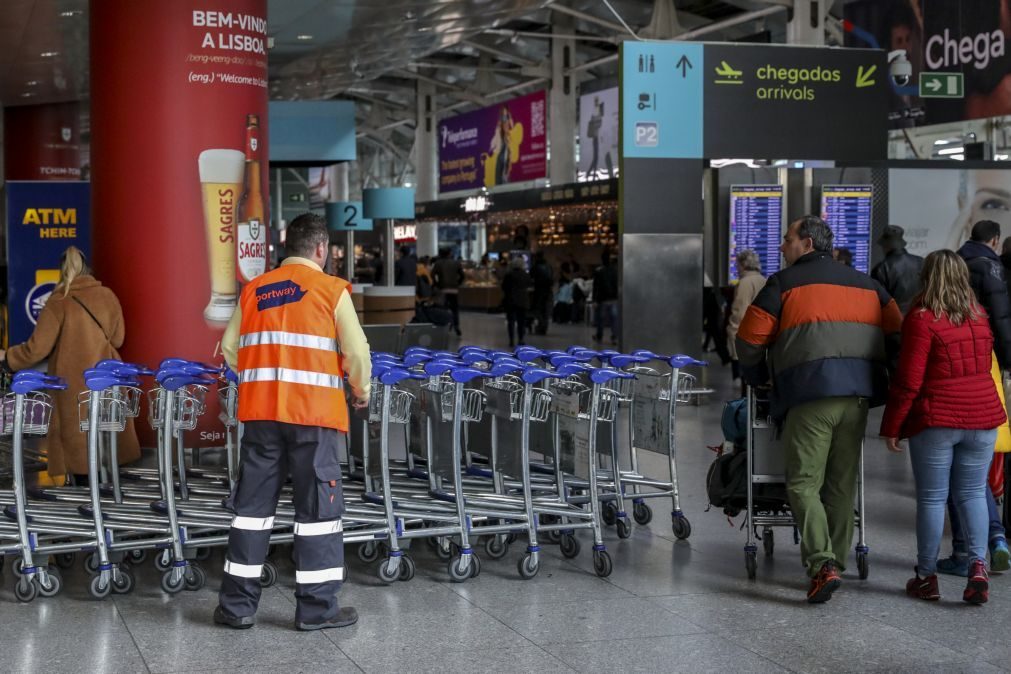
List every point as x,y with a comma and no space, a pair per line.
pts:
72,265
946,289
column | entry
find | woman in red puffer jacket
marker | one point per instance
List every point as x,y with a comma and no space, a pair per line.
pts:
944,400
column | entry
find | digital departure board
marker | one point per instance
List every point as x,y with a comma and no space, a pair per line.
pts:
756,223
847,210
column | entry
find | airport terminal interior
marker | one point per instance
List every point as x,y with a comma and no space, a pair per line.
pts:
505,336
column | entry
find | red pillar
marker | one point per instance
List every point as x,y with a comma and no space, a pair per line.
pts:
170,80
43,142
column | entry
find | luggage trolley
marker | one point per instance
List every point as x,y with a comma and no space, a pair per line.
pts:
766,467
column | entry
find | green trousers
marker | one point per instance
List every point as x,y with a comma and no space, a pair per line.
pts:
822,441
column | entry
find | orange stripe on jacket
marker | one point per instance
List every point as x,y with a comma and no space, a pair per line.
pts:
891,320
820,302
758,327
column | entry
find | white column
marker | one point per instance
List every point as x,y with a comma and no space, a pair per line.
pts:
426,165
562,118
808,25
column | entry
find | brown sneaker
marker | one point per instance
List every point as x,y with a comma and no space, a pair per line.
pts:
923,588
977,591
824,584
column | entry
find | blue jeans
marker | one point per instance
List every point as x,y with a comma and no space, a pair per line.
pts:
957,460
958,536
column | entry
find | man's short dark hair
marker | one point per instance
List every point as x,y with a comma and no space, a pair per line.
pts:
304,234
405,250
814,228
985,231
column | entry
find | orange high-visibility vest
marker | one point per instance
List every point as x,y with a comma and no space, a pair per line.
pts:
289,368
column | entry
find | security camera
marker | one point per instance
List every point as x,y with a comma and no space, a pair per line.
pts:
899,67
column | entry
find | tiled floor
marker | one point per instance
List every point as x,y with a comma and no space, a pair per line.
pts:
669,605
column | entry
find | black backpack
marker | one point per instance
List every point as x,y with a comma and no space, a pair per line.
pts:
727,486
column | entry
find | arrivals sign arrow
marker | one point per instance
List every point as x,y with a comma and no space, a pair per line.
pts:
864,77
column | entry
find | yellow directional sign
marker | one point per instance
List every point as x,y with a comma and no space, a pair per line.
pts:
864,76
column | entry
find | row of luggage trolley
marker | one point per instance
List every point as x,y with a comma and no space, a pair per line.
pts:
456,448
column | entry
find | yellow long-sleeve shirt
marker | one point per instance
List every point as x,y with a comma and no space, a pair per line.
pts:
351,341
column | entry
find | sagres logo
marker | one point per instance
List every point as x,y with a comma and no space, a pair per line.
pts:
278,294
37,298
66,133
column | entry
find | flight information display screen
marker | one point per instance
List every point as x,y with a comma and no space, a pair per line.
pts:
847,210
756,223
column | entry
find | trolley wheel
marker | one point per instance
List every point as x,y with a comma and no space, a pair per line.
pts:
602,564
553,536
387,572
768,542
170,584
682,527
123,581
569,546
202,554
137,556
457,573
91,563
862,565
65,560
512,538
368,552
610,513
642,513
17,566
163,561
751,563
496,547
528,566
268,575
98,588
195,578
443,553
475,566
624,528
25,589
407,568
55,583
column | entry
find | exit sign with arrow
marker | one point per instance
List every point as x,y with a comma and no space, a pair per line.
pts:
942,85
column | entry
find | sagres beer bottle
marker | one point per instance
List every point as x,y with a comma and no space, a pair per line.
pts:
251,252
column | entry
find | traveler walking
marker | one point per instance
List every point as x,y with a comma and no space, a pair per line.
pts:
448,275
516,300
899,272
283,342
405,271
605,297
81,324
944,400
544,284
824,327
989,287
750,282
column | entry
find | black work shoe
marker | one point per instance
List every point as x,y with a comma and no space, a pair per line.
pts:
345,617
222,618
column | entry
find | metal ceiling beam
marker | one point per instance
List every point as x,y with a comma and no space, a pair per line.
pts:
692,34
589,18
464,66
502,54
505,32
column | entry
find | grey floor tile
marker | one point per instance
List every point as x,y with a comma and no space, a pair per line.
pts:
67,650
501,661
591,620
972,667
337,666
690,653
425,631
845,644
176,634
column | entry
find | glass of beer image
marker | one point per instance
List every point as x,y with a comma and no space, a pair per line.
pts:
221,173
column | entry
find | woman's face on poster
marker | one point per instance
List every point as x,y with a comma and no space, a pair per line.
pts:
992,199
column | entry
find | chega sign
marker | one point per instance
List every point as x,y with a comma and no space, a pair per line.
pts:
945,51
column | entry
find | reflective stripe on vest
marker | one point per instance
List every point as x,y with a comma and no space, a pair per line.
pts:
288,339
290,376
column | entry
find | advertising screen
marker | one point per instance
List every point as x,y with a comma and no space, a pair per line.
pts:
756,223
598,135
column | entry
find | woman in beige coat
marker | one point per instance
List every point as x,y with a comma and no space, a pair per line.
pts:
81,324
749,269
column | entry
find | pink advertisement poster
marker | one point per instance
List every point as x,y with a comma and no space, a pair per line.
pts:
503,143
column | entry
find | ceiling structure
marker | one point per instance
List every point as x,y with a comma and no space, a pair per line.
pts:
375,52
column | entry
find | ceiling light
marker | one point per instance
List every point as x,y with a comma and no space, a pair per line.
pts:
48,54
304,37
27,94
70,13
951,150
31,83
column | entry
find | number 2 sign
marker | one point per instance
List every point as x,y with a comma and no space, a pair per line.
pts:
346,216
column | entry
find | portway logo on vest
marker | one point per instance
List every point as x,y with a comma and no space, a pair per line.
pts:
278,294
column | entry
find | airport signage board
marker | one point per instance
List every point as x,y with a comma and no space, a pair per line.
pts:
755,101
